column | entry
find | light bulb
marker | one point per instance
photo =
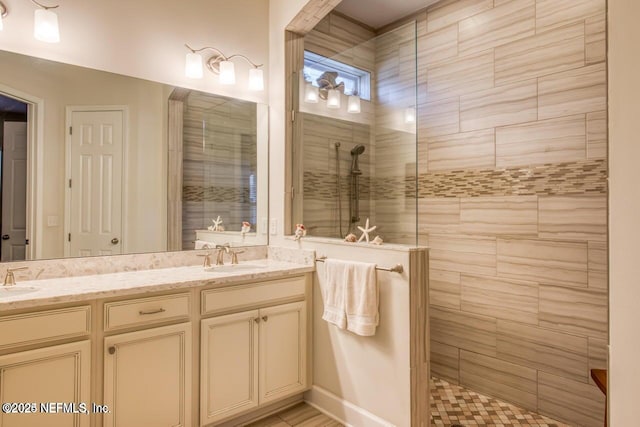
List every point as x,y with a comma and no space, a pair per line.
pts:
227,73
311,94
353,106
410,115
333,99
256,79
193,65
46,26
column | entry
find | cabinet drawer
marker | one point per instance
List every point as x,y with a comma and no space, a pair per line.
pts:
244,296
44,326
142,311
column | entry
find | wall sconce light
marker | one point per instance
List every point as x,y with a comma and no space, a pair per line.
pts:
410,115
3,12
45,25
353,105
221,64
333,99
311,94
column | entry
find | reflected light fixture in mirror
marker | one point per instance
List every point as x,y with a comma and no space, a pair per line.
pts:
3,12
410,115
333,99
45,24
353,105
311,94
221,64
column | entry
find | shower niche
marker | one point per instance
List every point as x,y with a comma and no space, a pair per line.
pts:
354,133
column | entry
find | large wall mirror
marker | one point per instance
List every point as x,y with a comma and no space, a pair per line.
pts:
96,163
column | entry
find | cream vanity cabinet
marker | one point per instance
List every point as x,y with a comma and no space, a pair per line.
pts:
49,373
147,373
257,353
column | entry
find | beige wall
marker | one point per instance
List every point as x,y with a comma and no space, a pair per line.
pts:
513,199
61,85
624,204
146,38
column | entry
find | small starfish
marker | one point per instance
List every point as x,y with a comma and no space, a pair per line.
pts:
216,223
365,231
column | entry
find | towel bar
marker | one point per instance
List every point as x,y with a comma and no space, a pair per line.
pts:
398,268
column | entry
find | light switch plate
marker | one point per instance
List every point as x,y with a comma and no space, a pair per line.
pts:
52,221
264,226
273,229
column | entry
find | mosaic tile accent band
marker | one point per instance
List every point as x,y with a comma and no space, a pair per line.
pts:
197,193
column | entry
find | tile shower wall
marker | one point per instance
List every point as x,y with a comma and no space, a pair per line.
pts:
219,151
512,198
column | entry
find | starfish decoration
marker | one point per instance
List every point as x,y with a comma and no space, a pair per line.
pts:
216,224
365,231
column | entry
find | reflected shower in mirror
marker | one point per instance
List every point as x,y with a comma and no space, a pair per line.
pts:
85,155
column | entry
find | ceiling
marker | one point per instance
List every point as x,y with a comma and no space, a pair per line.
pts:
378,13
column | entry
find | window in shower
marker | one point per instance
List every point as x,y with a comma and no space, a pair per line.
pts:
356,81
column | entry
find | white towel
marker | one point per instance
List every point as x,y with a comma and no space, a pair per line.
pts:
202,244
351,296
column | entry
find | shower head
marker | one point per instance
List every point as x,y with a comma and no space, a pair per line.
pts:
357,150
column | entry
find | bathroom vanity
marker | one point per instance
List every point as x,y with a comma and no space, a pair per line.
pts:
181,346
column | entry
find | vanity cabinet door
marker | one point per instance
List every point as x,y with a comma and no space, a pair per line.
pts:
228,365
147,378
58,373
283,351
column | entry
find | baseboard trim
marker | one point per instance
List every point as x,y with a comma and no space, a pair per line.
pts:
341,410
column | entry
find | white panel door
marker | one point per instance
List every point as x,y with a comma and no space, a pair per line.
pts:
283,351
52,374
14,191
228,366
147,378
95,220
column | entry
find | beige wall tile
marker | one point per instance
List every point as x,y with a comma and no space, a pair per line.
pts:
598,354
571,401
439,118
598,265
444,361
561,263
595,29
502,106
449,12
556,13
512,215
463,330
503,24
580,311
441,215
550,351
438,45
464,254
461,76
468,150
546,141
583,90
573,217
597,135
495,377
444,288
501,298
546,53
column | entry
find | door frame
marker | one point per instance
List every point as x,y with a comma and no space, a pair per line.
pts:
35,162
70,109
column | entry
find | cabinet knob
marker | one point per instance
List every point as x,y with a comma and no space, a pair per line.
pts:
112,350
265,318
257,320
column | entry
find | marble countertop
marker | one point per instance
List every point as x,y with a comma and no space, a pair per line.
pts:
86,288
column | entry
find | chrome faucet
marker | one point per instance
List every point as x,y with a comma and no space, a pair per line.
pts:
10,279
221,251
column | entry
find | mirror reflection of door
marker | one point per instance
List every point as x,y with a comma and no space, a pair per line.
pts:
94,222
13,145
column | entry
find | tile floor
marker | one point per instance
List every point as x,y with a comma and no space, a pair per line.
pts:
451,406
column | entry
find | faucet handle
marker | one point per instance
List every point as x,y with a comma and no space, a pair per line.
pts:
234,256
9,278
207,259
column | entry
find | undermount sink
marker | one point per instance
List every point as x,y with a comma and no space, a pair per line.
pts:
11,291
230,268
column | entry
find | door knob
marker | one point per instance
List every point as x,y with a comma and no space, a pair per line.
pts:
115,241
5,237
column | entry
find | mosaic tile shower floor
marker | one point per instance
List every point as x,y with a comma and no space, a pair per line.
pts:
451,405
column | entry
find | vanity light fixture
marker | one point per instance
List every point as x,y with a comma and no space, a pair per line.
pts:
333,99
353,104
221,64
45,26
3,12
311,93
